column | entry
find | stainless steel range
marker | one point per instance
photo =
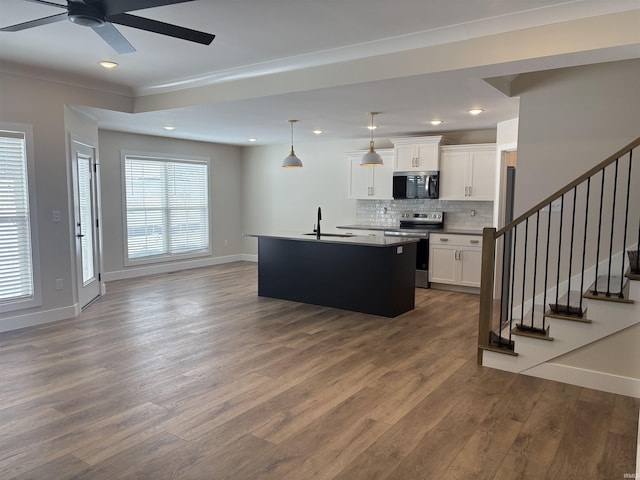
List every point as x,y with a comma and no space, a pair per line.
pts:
418,225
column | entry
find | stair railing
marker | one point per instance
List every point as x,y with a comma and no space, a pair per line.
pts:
572,238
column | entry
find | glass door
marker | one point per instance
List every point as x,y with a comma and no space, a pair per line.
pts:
86,223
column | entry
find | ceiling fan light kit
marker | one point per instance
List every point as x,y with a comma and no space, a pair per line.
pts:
101,15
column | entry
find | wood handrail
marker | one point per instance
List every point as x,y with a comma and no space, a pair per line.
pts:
569,187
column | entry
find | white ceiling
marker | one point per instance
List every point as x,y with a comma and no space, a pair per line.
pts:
280,59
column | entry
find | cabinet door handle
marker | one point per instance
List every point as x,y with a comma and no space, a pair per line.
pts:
469,191
455,254
474,241
444,239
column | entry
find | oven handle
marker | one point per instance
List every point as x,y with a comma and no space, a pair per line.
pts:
391,233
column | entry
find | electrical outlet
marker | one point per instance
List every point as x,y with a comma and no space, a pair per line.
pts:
59,284
55,216
226,243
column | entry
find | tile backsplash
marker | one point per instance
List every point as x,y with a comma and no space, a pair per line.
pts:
386,213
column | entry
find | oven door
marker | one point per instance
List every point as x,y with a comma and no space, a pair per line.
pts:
422,264
422,254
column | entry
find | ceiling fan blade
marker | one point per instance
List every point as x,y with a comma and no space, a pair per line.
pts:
161,28
35,23
114,38
111,7
45,2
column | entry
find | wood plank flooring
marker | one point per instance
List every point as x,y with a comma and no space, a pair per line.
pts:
191,375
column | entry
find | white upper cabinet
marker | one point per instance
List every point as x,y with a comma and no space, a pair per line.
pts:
468,172
416,153
375,183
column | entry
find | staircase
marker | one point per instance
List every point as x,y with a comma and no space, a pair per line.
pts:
559,278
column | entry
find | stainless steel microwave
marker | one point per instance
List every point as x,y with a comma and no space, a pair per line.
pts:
416,184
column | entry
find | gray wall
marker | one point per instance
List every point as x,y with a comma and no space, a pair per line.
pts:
570,120
43,105
225,202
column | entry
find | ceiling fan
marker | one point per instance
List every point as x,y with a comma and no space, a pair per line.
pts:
100,15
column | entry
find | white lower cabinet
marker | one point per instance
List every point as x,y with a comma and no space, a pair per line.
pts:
455,259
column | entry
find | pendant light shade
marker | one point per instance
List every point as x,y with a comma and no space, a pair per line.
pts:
292,161
371,158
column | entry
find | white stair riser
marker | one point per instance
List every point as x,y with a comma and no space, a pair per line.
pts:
607,318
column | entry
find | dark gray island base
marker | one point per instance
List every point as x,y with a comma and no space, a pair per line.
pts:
376,278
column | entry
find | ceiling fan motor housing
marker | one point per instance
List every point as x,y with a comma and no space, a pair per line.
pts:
85,15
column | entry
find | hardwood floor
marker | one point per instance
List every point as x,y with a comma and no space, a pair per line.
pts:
191,375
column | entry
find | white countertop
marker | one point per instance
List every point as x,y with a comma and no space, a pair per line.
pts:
362,240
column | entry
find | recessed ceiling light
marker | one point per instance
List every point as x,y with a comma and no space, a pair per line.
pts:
108,64
253,140
169,127
476,111
372,127
435,122
317,131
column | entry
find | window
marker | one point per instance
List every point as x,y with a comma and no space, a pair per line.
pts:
18,255
167,207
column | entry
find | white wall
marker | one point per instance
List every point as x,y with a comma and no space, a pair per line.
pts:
225,202
280,199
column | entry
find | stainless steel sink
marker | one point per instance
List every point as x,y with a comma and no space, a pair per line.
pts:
342,235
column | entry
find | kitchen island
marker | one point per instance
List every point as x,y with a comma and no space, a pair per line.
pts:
365,274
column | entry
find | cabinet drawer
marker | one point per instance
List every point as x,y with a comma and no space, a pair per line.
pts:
456,240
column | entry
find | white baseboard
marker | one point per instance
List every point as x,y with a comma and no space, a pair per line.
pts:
142,271
606,382
38,318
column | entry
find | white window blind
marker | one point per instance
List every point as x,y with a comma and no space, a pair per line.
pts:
167,207
16,262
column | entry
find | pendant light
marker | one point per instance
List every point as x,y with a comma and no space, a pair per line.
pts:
292,161
371,158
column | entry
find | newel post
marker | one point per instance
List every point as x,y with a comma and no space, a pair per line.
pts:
487,278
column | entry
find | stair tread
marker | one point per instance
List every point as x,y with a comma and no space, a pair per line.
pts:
570,304
535,332
569,317
614,288
603,282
